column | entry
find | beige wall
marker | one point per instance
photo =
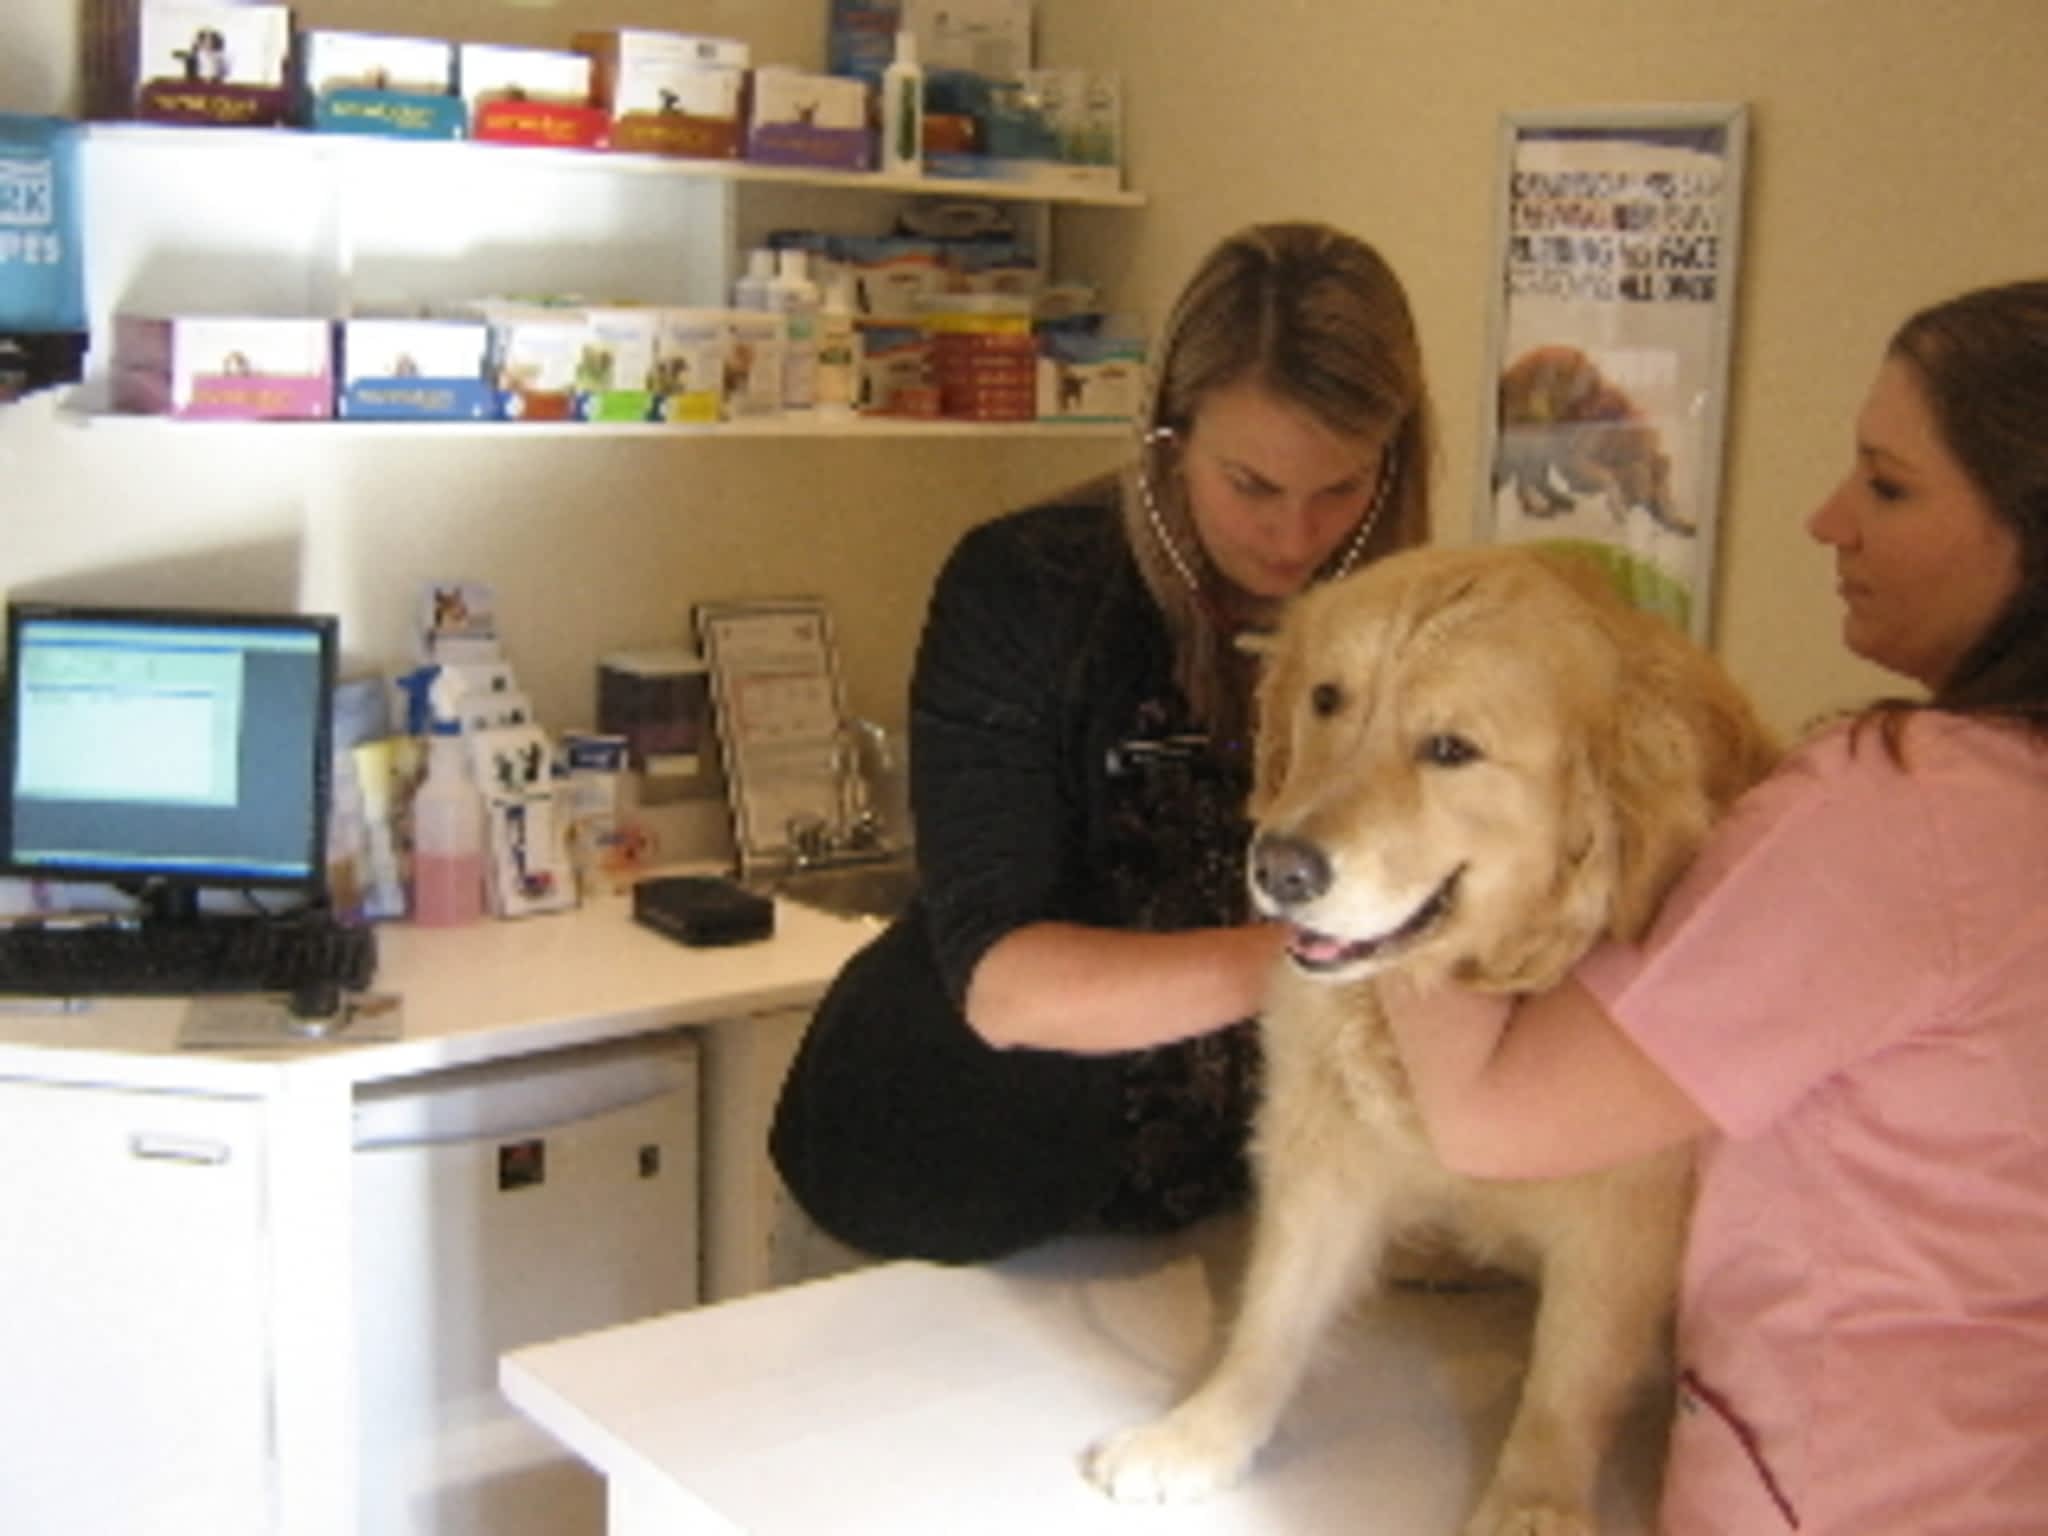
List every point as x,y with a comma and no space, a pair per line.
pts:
1897,153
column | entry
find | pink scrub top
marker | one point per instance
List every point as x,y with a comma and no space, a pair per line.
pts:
1852,982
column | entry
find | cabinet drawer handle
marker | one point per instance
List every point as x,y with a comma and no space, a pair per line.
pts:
154,1146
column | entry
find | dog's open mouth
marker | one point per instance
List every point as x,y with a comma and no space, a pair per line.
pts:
1321,952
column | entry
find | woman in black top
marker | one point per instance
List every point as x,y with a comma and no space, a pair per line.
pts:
1057,1034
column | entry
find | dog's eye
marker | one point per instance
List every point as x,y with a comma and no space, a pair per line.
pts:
1326,699
1444,750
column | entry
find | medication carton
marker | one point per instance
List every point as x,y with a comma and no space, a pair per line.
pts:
221,65
805,119
530,96
615,364
689,365
210,367
755,345
415,370
364,82
1084,377
668,93
535,350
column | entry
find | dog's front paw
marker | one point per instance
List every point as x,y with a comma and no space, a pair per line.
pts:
1498,1517
1174,1460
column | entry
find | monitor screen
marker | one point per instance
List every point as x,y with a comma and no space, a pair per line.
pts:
167,749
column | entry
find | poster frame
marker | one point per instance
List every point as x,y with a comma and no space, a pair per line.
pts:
1709,427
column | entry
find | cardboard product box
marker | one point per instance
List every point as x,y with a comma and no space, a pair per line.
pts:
896,372
799,118
670,93
220,65
535,350
755,344
1090,378
984,37
615,365
415,370
660,702
689,365
224,368
860,37
364,82
538,96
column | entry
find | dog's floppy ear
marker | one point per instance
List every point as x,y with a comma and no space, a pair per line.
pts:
1686,743
1273,717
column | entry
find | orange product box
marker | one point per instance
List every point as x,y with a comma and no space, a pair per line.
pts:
669,93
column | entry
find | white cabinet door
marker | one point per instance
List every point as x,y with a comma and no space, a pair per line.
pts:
755,1235
133,1314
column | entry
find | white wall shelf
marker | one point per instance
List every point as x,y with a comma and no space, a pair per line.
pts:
792,425
332,147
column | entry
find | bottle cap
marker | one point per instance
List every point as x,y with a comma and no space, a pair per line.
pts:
906,48
761,263
792,261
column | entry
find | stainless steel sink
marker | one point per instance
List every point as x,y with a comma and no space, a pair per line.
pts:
881,888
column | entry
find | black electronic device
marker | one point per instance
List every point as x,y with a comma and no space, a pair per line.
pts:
164,751
703,909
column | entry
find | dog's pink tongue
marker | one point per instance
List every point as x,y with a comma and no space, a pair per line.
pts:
1316,948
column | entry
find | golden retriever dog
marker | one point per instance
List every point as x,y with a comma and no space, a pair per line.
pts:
1472,764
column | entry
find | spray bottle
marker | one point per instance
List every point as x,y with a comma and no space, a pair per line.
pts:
447,823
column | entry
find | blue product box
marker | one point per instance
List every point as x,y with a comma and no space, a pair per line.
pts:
414,370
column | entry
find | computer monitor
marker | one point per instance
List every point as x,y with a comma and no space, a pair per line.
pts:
165,751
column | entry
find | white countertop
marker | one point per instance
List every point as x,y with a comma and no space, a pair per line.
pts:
493,989
914,1399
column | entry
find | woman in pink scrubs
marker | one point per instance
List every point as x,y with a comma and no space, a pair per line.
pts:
1846,999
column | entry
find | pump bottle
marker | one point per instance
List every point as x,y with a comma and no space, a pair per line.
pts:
839,351
447,836
796,297
903,110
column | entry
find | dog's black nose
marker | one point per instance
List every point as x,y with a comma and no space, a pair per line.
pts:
1289,869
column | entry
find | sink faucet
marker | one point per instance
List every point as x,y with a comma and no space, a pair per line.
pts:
860,755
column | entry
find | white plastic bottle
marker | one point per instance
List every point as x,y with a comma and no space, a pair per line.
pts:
447,836
839,357
903,109
751,289
795,296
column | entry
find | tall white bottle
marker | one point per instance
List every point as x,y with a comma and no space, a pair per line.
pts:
839,352
447,836
796,297
903,110
750,290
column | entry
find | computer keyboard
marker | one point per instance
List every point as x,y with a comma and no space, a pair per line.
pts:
72,958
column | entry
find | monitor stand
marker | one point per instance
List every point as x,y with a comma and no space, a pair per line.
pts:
163,902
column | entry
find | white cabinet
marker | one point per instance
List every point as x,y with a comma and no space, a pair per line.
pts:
756,1237
135,1346
273,221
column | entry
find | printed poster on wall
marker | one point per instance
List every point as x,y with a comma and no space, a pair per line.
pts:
1618,235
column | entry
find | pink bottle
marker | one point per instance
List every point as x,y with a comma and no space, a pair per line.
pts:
447,836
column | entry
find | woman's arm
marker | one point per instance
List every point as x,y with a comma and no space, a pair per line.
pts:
1062,986
1540,1087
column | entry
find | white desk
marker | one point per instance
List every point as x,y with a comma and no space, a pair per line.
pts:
281,1117
914,1399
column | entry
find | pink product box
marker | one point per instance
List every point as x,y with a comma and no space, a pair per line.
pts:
224,368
